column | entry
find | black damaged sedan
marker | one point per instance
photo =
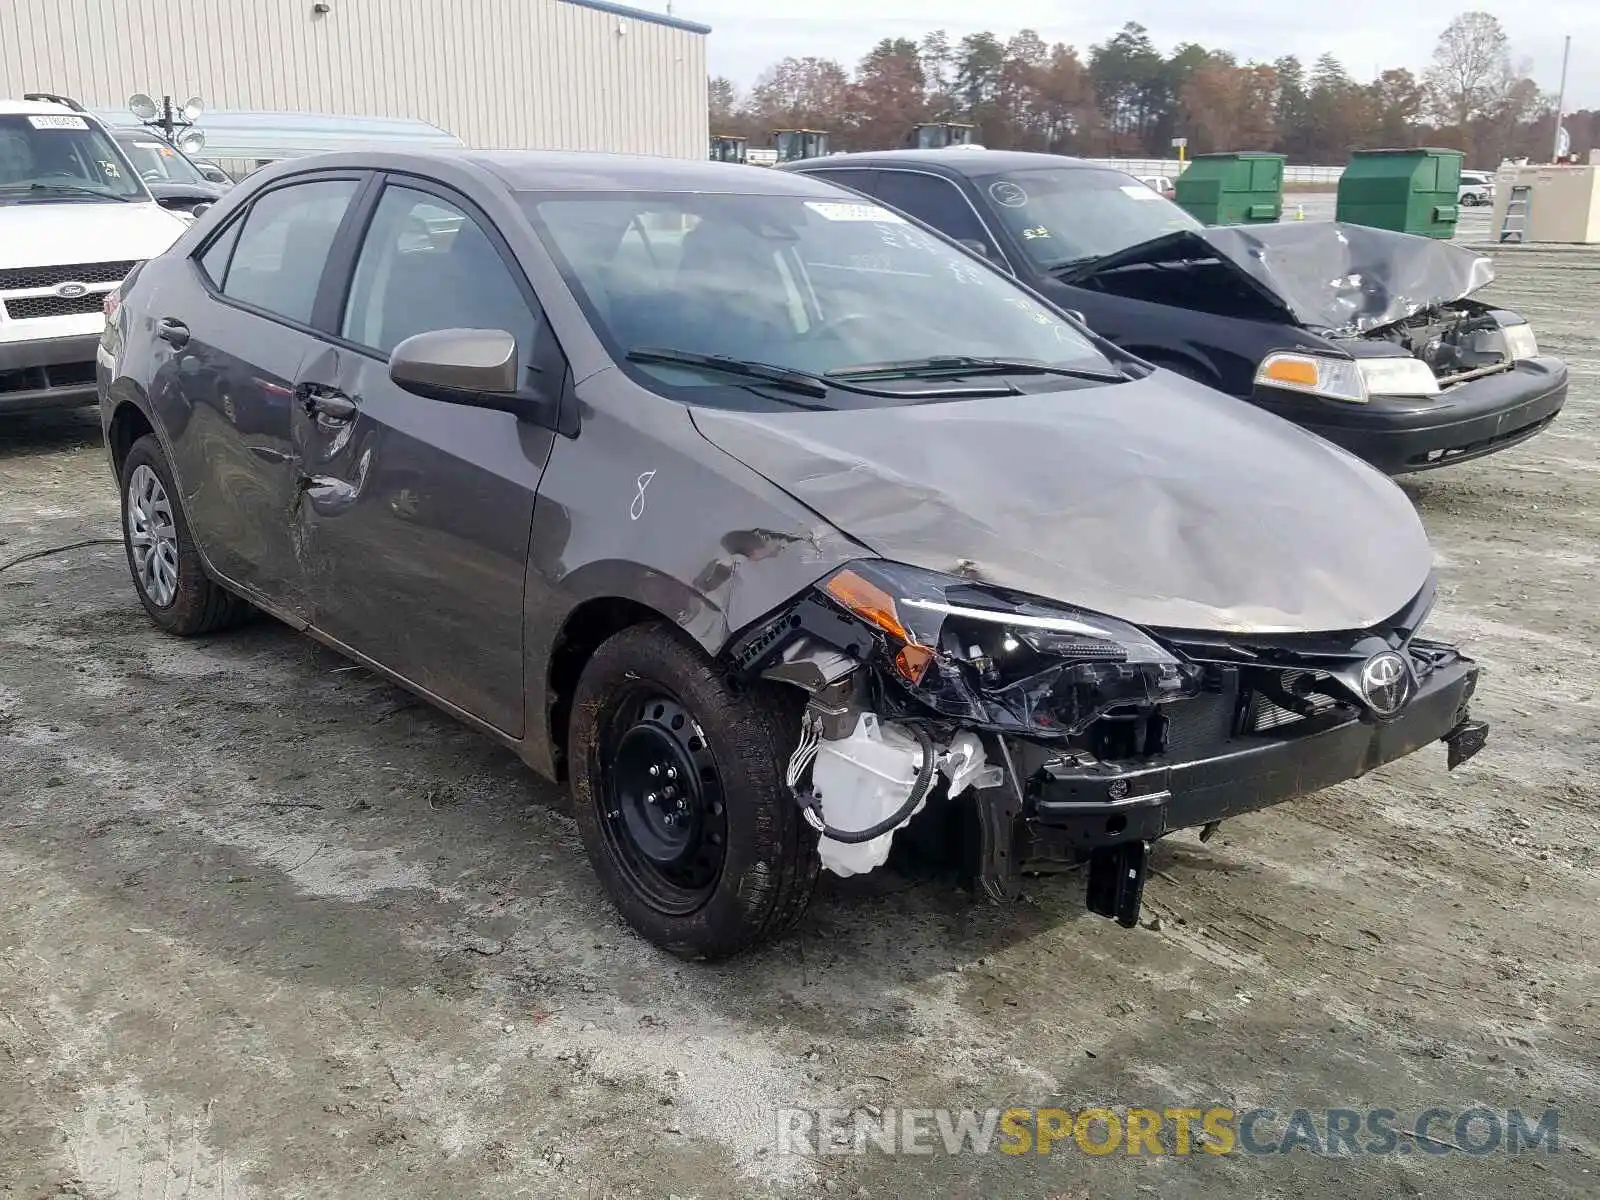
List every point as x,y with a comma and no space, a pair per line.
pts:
1367,337
774,523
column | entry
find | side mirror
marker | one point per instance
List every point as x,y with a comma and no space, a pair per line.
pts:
200,210
979,248
460,366
1077,316
213,173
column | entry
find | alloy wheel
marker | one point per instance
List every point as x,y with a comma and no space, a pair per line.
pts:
152,537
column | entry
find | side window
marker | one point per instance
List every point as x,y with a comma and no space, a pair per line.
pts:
933,200
424,265
855,179
283,247
214,262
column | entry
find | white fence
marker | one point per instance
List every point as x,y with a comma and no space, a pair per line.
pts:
1170,167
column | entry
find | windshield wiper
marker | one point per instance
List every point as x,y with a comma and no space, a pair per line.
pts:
783,377
961,364
69,189
760,374
1069,265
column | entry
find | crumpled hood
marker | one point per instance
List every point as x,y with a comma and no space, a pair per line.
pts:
1327,276
1158,501
85,231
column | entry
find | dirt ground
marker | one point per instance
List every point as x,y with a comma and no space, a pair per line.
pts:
271,928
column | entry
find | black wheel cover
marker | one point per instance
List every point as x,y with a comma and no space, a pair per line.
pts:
662,805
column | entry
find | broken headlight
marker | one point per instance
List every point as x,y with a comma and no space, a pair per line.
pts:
987,656
1520,342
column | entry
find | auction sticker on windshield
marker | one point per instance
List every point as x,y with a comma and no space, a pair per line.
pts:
1007,193
55,122
833,211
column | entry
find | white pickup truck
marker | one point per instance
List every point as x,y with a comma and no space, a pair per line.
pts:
74,219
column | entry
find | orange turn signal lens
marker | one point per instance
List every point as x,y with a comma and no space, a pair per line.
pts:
1299,371
868,601
912,661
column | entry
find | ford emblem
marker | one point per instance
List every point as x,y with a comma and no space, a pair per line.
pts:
71,291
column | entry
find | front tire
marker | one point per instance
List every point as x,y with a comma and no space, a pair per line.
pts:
679,793
167,572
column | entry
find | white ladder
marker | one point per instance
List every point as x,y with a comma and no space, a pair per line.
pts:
1514,227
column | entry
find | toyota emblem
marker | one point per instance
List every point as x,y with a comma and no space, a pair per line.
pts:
1385,682
70,291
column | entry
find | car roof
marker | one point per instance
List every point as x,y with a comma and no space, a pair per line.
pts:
530,170
24,107
954,160
578,171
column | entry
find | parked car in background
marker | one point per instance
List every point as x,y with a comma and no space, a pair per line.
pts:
243,140
1367,337
1160,184
1477,187
75,218
769,518
174,179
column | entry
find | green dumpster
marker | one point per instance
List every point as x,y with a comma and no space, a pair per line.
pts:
1410,191
1244,188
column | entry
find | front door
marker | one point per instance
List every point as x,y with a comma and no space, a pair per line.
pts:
413,515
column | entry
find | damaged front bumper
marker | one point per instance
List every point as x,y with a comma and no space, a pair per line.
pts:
1068,811
1399,435
1070,737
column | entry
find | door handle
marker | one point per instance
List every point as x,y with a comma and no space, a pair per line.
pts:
327,403
173,331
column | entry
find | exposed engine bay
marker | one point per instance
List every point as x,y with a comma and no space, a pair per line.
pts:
1459,341
1079,738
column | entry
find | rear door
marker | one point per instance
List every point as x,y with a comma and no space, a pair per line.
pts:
231,333
413,515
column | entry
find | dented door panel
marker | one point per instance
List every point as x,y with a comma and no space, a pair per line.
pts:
411,528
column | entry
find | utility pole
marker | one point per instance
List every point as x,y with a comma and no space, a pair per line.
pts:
1561,99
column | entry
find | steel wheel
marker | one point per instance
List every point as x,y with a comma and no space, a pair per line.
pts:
152,537
664,814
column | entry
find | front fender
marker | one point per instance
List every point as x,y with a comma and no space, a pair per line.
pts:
645,510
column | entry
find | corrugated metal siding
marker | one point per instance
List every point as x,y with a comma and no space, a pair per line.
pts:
499,73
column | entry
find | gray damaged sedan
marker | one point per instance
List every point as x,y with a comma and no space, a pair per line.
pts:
778,525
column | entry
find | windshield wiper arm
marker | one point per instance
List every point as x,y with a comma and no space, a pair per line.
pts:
75,189
1072,264
783,377
961,364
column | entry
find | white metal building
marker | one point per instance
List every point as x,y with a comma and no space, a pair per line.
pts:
545,74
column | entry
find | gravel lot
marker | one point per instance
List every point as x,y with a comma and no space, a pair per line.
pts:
273,929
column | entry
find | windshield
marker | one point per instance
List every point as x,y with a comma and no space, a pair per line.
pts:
156,161
806,285
1065,215
57,156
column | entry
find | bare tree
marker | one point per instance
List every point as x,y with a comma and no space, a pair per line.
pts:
1471,70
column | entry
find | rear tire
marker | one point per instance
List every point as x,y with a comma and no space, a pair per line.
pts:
725,862
168,575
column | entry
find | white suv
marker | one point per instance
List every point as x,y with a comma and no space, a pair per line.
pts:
1477,187
74,219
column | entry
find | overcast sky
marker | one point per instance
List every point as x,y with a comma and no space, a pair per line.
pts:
1367,35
